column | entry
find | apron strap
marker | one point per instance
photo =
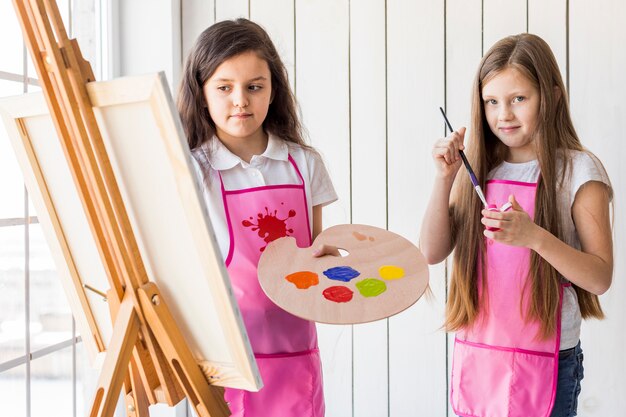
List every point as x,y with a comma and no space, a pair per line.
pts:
297,169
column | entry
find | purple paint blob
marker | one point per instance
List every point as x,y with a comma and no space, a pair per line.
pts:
341,273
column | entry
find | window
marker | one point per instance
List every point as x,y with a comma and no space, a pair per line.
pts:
43,369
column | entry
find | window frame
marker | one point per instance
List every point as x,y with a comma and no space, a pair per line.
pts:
105,16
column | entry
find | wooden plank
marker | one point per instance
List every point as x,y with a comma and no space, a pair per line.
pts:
197,15
502,18
415,79
368,133
277,18
322,87
548,19
153,45
463,54
231,9
597,68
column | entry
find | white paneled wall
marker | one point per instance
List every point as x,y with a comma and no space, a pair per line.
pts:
370,76
597,64
368,159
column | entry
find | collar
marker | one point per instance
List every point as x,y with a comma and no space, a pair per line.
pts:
222,159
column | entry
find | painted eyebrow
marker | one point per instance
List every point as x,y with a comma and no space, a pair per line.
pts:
259,78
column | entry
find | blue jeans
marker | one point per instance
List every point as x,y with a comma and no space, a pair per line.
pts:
571,372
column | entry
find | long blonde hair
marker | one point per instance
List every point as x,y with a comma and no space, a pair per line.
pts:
532,57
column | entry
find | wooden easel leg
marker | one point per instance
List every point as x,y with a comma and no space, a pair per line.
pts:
208,401
141,357
125,333
136,399
172,392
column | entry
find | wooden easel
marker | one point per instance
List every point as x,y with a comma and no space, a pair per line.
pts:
147,355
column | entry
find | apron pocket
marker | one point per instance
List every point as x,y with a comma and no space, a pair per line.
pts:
481,378
292,387
533,385
495,382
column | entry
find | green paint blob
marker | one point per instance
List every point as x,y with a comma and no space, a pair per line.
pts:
371,287
389,272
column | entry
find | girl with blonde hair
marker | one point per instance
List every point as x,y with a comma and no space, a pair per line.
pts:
522,279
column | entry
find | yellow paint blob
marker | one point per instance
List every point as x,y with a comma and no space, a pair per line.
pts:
390,272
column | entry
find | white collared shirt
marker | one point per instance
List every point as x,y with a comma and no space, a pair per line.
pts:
272,167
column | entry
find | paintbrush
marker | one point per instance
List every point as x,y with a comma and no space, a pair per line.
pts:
479,191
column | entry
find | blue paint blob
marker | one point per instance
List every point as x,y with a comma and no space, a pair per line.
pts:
341,273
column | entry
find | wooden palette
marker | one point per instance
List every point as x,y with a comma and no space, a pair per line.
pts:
382,275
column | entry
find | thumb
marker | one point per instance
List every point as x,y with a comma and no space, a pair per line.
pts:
514,204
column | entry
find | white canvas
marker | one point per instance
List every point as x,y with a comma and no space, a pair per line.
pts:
147,149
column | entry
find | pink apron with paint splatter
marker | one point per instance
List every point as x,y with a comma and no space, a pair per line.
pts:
284,345
501,368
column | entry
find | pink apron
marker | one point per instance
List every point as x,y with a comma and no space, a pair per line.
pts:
500,367
285,346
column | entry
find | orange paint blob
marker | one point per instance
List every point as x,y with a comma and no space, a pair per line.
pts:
361,236
303,279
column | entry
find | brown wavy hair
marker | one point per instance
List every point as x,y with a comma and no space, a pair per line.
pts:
532,57
218,43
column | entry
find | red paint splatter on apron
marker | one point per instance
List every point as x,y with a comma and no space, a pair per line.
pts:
269,226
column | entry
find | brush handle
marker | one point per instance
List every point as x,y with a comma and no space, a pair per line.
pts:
469,169
479,191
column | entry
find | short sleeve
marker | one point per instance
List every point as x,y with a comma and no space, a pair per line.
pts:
322,189
587,167
197,169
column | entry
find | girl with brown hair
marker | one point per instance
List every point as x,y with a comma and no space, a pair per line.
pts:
522,279
261,182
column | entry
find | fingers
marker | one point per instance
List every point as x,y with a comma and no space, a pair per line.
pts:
324,250
509,225
448,148
514,204
493,220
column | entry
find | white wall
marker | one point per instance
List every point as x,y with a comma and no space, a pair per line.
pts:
148,37
370,75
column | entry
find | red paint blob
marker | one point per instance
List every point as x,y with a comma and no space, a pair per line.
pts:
303,279
338,294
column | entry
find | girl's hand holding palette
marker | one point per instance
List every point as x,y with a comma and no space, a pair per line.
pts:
382,275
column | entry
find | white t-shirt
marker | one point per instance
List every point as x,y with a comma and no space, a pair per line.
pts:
584,168
270,168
